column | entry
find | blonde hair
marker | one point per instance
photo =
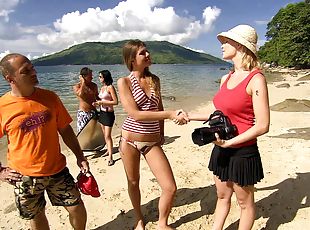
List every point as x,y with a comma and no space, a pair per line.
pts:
249,60
130,50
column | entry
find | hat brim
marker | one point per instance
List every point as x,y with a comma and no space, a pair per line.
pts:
239,39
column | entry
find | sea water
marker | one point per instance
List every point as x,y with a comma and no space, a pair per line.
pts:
182,86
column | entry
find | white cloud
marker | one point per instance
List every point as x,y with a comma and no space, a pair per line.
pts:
210,15
261,22
196,50
145,20
7,7
4,53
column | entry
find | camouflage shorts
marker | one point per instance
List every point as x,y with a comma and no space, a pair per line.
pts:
60,188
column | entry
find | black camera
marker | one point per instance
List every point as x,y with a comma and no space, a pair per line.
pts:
220,124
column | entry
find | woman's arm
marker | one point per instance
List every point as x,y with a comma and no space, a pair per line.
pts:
202,116
112,91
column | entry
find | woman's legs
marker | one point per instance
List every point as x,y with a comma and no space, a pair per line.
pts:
245,197
107,131
224,192
131,160
161,169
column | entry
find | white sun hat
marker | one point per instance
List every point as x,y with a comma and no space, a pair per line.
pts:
244,35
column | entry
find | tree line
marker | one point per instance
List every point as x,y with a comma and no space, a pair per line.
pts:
288,37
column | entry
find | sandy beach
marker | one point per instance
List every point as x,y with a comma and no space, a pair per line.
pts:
282,197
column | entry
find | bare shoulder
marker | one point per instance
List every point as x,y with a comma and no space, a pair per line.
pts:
110,88
94,85
123,81
223,78
258,79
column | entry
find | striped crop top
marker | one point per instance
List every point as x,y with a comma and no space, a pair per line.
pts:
144,103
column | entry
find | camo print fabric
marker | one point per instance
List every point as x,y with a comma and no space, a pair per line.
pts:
29,193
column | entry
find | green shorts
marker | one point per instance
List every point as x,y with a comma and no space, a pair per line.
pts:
61,190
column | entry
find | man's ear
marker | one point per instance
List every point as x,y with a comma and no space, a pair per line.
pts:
9,78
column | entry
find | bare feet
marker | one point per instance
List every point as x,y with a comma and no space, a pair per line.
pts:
139,225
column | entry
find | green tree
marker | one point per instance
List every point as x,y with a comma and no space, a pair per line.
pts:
288,37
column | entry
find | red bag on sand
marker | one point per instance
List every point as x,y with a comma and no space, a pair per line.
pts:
87,184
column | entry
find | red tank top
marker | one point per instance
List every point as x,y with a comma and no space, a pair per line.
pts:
237,104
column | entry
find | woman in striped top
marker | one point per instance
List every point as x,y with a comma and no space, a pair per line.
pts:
143,130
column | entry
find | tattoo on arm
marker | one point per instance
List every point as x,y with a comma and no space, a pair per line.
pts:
256,92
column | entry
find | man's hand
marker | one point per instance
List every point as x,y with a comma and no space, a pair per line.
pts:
83,164
10,176
82,79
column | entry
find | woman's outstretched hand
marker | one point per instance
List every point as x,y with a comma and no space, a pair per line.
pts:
181,117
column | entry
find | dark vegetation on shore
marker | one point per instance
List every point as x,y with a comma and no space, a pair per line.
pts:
163,52
288,37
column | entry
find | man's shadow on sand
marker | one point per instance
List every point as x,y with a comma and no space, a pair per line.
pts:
281,206
184,196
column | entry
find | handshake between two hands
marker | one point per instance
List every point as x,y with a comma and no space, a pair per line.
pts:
181,117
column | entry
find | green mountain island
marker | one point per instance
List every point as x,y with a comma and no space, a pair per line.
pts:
109,53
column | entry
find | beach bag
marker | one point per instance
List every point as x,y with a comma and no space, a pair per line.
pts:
87,184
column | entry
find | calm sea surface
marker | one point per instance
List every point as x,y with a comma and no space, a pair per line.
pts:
190,85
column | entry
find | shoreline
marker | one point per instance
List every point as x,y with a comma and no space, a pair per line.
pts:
281,197
272,74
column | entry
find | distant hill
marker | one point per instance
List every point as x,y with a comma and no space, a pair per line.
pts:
162,52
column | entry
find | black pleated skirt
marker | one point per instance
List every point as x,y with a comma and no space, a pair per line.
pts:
242,166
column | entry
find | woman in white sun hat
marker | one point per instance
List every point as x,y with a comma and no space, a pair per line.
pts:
243,97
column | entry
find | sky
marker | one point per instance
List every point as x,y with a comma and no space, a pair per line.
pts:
39,27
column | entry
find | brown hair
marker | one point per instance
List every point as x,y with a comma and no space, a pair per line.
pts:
130,50
5,64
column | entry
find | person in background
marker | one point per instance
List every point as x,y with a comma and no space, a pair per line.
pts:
143,130
243,97
108,98
32,118
87,92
